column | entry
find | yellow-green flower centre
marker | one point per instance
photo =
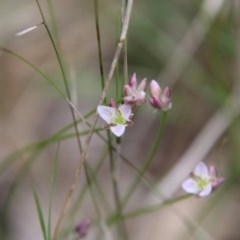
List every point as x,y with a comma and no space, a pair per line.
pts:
202,183
118,118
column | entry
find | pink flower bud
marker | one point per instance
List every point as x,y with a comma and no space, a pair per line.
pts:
133,81
112,103
135,94
217,182
82,228
155,88
160,99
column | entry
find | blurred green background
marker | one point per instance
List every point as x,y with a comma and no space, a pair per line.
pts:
192,46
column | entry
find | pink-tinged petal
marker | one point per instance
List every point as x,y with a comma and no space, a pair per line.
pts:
156,102
118,130
141,98
206,191
142,85
201,170
127,90
167,92
133,81
141,94
128,100
126,111
213,171
106,112
217,182
155,88
112,103
190,186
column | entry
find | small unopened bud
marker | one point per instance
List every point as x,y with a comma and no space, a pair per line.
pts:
133,81
82,228
112,103
160,99
216,181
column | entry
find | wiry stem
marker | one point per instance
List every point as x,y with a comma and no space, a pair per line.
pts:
148,161
89,137
142,211
99,42
16,55
63,72
122,229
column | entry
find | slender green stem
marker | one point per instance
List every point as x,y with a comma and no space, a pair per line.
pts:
16,181
125,59
100,58
94,122
93,197
54,24
16,55
117,83
101,196
62,68
60,136
117,87
112,160
122,227
40,213
56,47
114,174
148,161
41,144
142,211
53,185
125,65
102,80
93,171
56,50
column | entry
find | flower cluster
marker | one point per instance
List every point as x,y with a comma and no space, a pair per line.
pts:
202,181
135,94
120,117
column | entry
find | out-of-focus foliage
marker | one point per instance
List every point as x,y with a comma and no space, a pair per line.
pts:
31,110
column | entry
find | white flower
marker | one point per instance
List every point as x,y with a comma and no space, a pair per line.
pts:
202,181
117,118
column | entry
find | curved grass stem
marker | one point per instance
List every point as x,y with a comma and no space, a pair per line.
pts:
89,137
148,161
142,211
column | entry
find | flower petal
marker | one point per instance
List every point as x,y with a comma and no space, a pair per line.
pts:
106,112
133,81
156,102
128,90
201,170
155,88
142,85
206,191
167,93
213,171
126,111
118,130
190,186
